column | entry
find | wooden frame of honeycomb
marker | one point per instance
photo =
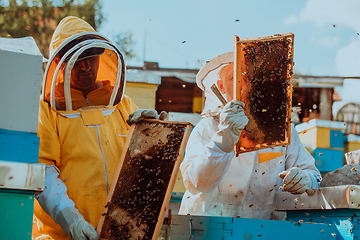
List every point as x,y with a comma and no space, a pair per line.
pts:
263,70
144,180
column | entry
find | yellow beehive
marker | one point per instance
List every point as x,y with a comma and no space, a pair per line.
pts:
322,134
142,94
351,143
141,88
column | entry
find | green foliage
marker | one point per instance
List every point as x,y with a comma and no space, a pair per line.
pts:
125,43
39,18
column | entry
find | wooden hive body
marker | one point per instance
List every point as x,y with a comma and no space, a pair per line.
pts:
263,81
142,187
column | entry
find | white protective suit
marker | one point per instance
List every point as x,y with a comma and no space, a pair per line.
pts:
219,184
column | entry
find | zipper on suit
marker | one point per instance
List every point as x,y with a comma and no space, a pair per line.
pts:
106,177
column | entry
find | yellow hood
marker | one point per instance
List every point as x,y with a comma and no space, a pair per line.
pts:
71,39
68,27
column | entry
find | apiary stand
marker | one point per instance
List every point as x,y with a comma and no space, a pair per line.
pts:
143,184
338,205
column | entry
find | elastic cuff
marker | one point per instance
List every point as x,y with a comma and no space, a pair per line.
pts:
68,216
314,182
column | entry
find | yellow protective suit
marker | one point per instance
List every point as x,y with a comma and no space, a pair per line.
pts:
84,144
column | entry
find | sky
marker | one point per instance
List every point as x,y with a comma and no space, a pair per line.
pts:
186,33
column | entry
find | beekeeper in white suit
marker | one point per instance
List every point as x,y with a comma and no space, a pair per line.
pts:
220,184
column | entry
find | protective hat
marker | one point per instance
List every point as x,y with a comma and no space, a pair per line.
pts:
207,76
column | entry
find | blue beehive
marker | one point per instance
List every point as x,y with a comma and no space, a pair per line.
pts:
338,205
210,227
324,139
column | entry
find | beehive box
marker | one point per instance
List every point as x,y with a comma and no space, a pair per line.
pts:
142,188
336,205
23,90
184,227
262,80
19,181
319,133
20,173
351,143
325,140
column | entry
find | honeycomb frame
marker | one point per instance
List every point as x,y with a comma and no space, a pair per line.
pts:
144,180
263,71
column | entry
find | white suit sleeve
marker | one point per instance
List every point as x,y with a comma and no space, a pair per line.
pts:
204,163
54,198
298,156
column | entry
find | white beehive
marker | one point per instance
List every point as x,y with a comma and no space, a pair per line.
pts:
20,76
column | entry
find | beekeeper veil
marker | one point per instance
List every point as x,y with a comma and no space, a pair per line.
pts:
75,42
207,76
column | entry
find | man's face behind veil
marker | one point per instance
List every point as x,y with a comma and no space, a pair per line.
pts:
84,73
226,81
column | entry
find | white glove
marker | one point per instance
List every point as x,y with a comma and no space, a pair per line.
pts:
75,226
141,114
296,180
232,122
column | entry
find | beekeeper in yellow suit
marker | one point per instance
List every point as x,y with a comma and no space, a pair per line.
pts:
220,184
84,119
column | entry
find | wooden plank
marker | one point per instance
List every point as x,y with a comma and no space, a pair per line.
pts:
143,184
237,68
266,38
263,72
22,176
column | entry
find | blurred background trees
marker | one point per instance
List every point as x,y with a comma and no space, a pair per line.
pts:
124,41
39,18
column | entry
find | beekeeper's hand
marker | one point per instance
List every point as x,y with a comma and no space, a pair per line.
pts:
232,122
296,180
141,114
75,226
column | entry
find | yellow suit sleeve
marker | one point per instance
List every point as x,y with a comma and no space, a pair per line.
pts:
49,149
